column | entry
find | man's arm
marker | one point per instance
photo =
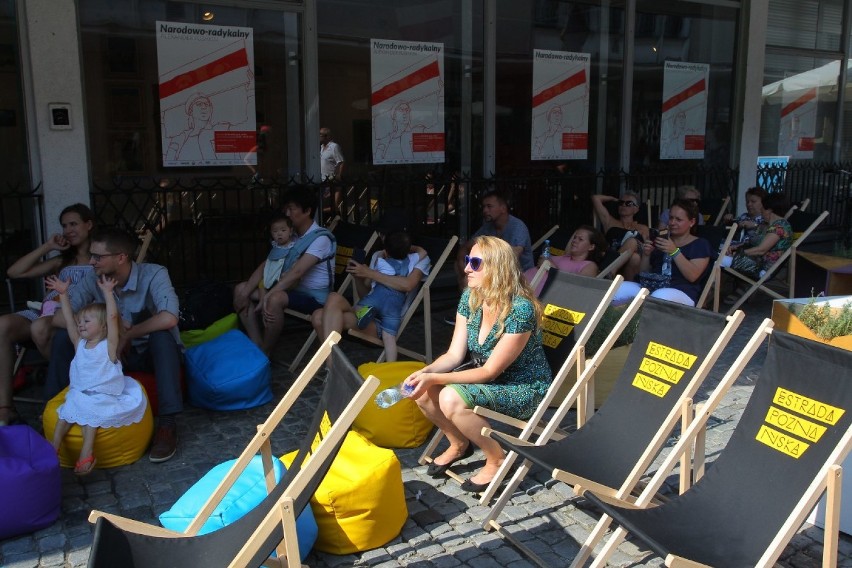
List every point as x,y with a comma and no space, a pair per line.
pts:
293,276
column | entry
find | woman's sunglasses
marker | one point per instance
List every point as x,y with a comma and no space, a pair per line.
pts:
627,203
474,261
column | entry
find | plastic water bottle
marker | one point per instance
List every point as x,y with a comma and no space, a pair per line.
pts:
545,251
667,266
391,396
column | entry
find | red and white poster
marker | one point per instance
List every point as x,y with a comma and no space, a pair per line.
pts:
684,117
798,123
206,88
407,101
560,105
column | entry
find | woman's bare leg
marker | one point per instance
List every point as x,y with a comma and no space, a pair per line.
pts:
430,407
42,331
13,329
60,432
470,425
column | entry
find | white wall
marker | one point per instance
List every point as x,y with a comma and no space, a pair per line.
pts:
51,53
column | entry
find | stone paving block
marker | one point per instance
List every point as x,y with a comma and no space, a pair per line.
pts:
17,546
26,560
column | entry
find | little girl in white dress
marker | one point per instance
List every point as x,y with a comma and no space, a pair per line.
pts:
99,396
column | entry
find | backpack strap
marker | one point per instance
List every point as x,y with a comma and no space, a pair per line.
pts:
302,246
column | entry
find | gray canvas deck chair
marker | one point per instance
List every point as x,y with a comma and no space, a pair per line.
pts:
785,452
803,225
573,306
615,447
349,238
271,526
438,250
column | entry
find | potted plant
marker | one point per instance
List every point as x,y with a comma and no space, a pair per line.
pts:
828,320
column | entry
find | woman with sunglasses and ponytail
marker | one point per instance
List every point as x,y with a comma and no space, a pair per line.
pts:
498,325
623,232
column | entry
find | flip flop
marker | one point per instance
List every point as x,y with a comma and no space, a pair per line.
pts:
90,461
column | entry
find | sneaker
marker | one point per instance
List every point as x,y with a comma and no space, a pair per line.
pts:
165,444
364,315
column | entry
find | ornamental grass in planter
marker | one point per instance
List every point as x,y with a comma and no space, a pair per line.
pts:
828,320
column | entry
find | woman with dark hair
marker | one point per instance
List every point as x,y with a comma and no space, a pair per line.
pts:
498,324
72,263
688,254
752,218
583,255
769,242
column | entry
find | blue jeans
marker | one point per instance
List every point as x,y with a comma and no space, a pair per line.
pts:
388,305
161,356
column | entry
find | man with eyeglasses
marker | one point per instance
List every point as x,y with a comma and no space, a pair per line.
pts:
497,222
150,341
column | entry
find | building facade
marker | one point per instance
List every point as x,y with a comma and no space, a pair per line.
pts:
92,91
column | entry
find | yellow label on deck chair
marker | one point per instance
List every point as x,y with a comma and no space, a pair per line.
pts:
782,442
661,370
651,385
671,355
807,406
557,324
795,424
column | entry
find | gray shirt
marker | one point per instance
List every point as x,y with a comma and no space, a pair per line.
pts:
148,291
516,234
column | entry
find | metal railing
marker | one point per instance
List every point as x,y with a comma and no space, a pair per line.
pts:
215,228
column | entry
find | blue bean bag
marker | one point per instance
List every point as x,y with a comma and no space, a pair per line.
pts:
247,492
228,373
30,481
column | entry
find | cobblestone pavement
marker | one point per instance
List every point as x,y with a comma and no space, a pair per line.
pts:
443,528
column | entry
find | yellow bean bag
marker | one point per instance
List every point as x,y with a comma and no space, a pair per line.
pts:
113,446
401,425
360,504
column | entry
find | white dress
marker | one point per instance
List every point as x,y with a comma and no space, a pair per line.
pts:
100,395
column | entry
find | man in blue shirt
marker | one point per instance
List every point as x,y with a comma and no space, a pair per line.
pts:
150,340
497,222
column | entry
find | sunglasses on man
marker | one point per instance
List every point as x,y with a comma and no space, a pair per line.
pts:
623,203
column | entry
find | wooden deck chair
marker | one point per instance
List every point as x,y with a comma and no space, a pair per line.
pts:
439,250
559,238
611,269
720,238
801,206
785,452
271,526
547,235
760,284
349,238
714,210
612,451
573,307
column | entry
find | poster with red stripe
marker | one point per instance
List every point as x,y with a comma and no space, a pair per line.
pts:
560,105
206,89
684,117
407,101
798,123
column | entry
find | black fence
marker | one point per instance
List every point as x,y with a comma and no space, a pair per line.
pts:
216,228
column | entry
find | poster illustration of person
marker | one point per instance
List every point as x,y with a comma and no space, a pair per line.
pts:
407,101
684,116
798,124
560,105
206,90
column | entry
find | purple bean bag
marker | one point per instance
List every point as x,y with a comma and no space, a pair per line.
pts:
30,481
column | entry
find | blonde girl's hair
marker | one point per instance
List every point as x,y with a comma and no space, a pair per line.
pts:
502,281
99,311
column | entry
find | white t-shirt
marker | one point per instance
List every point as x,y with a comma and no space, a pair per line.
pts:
318,277
330,156
379,263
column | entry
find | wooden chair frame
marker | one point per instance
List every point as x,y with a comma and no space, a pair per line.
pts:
680,412
342,256
284,513
424,297
715,277
759,284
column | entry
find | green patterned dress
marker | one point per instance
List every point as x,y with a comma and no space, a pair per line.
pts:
521,387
